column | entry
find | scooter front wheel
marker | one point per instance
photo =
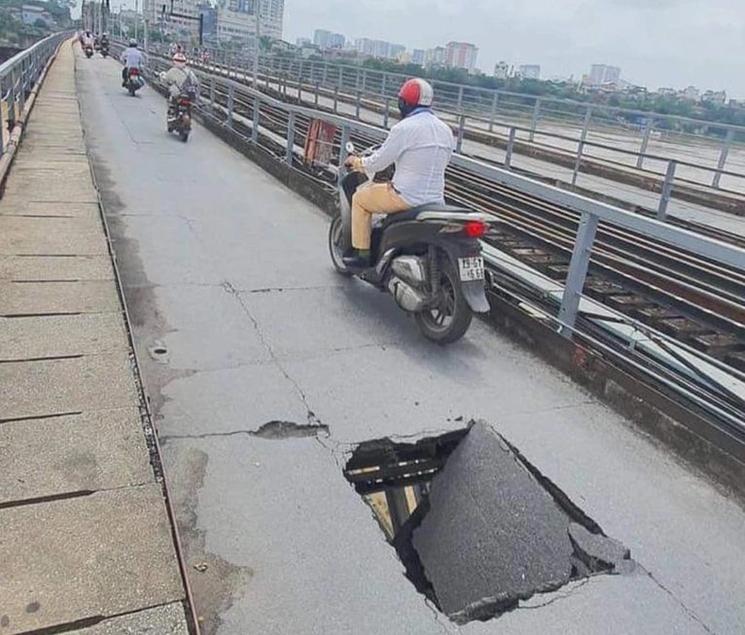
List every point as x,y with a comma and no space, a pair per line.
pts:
335,250
449,320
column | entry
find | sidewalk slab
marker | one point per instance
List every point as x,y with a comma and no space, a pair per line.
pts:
74,453
161,620
22,205
79,191
57,268
48,336
52,236
43,298
63,386
93,556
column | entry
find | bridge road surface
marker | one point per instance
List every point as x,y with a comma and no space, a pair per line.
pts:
227,272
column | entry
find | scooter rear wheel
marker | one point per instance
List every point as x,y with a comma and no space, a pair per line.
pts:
449,321
334,250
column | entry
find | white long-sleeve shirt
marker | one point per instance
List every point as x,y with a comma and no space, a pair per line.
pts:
421,146
132,57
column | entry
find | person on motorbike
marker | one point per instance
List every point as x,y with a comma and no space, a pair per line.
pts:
420,146
105,40
131,57
87,40
180,80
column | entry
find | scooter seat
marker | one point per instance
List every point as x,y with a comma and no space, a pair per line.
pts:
413,213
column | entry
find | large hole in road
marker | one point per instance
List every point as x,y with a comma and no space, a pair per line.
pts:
477,527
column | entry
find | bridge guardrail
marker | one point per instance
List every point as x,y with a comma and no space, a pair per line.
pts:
19,77
584,124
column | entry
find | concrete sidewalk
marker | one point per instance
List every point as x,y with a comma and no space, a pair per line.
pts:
85,538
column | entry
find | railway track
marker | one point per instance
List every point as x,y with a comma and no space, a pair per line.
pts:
694,300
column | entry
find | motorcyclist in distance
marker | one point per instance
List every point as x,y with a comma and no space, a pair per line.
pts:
131,57
180,80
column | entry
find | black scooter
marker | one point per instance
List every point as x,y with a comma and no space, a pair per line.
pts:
179,116
428,258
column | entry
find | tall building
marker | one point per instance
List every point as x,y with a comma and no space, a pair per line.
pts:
396,51
436,57
209,20
461,55
418,56
530,71
184,22
378,48
602,74
328,40
236,19
501,70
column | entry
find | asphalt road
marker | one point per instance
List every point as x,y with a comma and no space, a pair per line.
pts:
228,272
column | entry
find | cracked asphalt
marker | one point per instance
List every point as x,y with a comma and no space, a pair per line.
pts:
229,272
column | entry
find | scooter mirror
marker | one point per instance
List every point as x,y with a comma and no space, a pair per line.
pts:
349,147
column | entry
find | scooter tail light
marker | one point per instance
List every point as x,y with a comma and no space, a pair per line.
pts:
474,228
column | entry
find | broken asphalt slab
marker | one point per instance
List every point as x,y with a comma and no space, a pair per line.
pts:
494,535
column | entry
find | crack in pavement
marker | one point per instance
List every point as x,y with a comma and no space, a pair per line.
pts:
557,596
688,611
311,416
274,430
283,289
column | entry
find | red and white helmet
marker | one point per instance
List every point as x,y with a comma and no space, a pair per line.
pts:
416,92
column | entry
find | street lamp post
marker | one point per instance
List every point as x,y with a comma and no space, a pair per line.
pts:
257,11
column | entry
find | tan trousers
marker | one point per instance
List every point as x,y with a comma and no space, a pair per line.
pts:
372,198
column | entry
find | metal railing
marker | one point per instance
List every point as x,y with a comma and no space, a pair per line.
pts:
586,144
18,76
626,136
670,180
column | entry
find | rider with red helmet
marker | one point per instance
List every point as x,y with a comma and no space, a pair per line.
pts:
420,145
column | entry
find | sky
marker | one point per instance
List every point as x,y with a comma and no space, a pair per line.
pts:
655,42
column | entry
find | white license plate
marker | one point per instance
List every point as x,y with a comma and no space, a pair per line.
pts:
471,268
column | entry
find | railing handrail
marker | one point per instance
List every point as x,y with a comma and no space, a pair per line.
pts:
542,98
19,57
718,251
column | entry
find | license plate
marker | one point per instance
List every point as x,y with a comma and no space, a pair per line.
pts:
471,268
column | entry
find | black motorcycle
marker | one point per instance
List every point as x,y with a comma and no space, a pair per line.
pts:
104,49
88,51
179,116
428,258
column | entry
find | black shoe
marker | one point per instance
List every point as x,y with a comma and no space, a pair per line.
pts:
354,260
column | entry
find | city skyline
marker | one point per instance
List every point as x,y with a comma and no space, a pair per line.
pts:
699,45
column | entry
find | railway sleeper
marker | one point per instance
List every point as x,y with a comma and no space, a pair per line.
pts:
736,360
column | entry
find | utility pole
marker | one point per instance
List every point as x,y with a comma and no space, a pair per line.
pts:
257,11
137,17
